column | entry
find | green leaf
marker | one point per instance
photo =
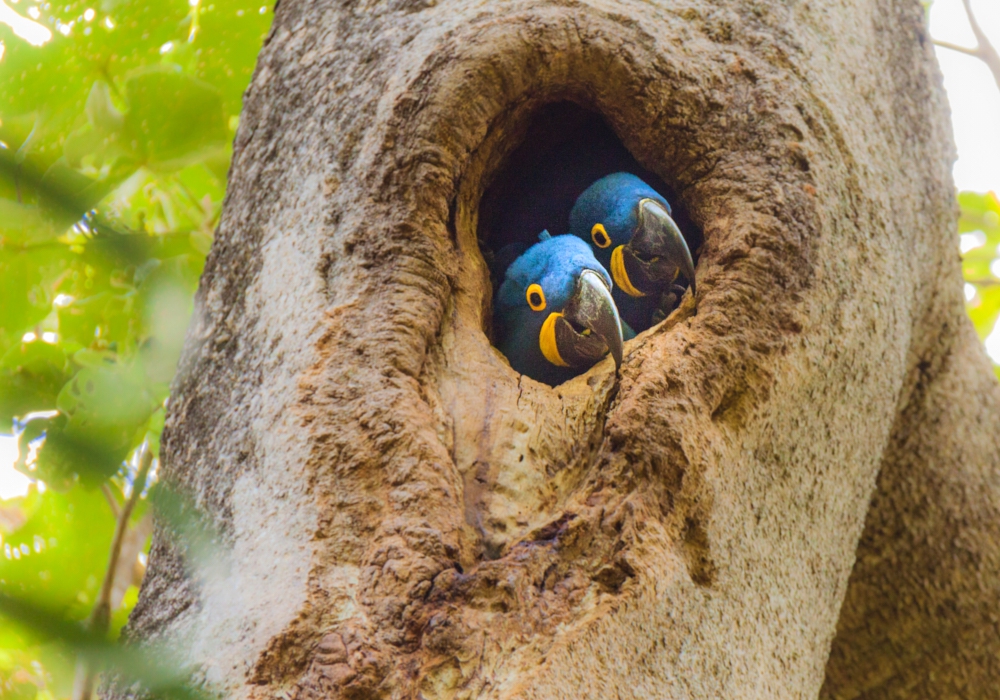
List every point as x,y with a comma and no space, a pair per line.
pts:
69,194
62,194
976,203
980,212
984,313
165,302
94,358
155,670
106,410
173,119
103,115
80,319
22,223
25,287
61,551
31,376
101,141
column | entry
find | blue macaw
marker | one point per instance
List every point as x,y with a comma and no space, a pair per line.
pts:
554,314
628,223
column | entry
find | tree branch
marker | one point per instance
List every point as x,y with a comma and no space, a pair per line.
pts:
984,49
981,39
100,616
974,52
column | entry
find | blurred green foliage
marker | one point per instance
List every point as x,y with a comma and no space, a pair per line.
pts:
979,227
115,140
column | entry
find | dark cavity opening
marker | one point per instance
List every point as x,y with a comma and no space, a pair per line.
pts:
565,149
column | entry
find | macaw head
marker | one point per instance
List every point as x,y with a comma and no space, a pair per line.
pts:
629,225
554,311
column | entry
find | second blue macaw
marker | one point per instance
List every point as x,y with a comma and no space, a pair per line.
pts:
554,316
629,225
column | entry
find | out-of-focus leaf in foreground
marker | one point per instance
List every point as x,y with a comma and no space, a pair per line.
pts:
155,670
979,232
115,128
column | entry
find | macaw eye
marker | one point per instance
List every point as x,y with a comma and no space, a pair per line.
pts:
600,236
536,297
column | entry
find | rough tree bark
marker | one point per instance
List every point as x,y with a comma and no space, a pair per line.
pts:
404,516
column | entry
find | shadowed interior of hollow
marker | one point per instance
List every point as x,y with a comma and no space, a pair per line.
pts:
565,148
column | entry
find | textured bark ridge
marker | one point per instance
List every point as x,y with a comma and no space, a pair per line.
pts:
404,516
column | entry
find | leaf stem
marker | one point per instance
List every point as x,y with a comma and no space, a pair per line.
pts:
100,616
112,501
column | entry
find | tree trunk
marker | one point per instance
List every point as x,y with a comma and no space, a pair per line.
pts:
404,516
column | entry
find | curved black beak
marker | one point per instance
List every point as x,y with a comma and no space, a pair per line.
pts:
589,327
656,255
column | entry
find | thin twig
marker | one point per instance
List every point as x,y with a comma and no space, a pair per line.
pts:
983,282
989,54
984,50
960,49
981,37
112,501
100,616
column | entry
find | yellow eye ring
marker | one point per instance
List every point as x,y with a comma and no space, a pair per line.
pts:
600,236
535,297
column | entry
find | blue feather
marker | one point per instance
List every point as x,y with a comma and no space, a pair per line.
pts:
554,263
611,201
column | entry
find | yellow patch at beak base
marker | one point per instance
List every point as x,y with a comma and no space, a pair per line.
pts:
620,275
547,340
